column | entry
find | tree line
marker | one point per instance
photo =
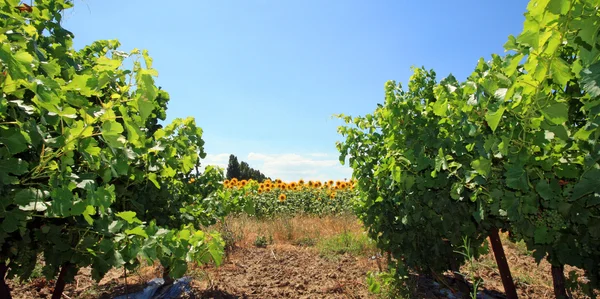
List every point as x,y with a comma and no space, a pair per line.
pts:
243,171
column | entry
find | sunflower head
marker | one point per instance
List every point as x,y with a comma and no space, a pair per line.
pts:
301,182
282,197
330,182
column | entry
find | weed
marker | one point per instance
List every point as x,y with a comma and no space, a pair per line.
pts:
346,242
466,252
305,241
261,241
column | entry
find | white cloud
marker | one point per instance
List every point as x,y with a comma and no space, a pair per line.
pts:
290,167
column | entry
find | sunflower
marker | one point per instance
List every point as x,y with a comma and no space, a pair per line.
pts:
301,182
278,181
343,185
293,185
268,189
310,184
260,190
330,182
282,197
283,186
332,195
226,182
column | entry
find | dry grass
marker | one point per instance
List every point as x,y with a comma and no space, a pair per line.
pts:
297,230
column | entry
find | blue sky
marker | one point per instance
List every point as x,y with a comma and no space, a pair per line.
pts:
263,78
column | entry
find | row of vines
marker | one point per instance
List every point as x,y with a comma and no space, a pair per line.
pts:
88,176
515,147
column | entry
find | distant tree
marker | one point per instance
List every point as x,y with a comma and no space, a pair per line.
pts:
233,168
243,171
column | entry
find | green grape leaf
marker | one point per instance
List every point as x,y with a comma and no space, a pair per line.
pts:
89,211
178,268
482,166
27,196
14,139
215,248
557,113
106,64
493,118
128,216
152,178
85,84
17,66
589,183
138,230
590,77
62,201
145,107
561,72
542,236
14,166
516,177
544,190
10,223
52,68
440,107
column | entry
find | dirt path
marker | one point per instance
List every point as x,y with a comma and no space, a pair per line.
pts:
289,272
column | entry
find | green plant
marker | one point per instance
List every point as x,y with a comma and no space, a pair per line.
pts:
261,241
87,175
231,236
513,147
306,241
388,284
466,252
344,243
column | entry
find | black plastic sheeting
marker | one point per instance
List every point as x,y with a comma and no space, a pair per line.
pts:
157,289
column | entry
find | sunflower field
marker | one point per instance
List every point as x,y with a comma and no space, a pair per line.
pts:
299,197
